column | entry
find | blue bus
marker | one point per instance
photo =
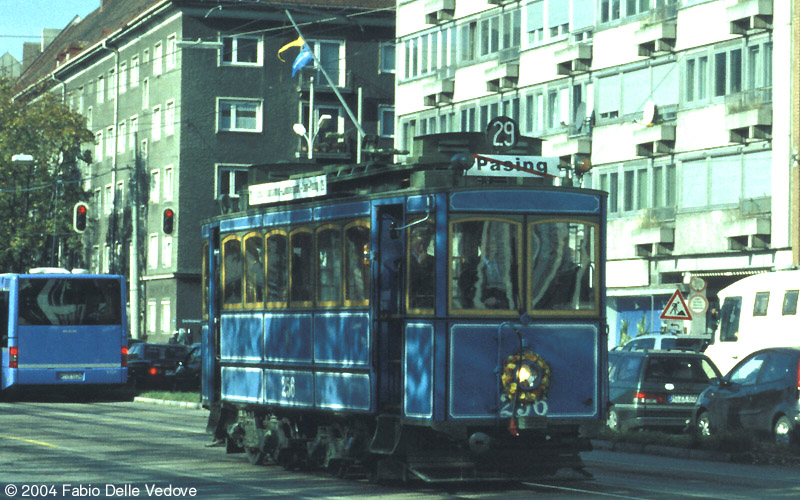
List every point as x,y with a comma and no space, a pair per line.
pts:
61,329
408,320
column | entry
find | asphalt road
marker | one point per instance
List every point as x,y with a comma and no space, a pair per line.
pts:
139,450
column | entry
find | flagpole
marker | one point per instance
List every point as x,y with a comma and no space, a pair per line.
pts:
328,78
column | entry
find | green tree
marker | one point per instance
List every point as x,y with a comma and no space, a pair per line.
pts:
37,198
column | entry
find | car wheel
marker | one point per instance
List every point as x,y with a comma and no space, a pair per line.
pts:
782,431
612,422
703,425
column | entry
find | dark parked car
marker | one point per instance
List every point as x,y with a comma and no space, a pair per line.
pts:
656,389
154,365
760,394
187,375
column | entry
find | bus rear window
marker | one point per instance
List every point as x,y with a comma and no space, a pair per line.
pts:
69,301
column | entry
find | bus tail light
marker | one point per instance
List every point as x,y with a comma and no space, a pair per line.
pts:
153,371
648,398
124,356
13,353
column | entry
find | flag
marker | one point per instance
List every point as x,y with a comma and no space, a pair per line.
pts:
302,59
297,43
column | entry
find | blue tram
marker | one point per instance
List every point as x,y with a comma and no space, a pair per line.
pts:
409,321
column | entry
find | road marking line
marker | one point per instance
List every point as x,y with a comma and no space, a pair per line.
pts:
41,443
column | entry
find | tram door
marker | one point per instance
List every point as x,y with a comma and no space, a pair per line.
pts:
386,308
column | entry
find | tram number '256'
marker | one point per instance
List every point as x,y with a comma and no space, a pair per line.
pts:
287,388
538,408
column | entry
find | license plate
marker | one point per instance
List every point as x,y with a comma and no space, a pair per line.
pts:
681,398
70,376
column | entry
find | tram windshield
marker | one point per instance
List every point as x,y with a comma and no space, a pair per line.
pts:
490,259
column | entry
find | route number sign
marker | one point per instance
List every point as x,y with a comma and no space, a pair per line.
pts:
502,133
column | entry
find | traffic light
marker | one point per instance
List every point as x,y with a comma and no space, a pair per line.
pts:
168,221
79,215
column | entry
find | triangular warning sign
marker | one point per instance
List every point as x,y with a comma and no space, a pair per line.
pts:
676,308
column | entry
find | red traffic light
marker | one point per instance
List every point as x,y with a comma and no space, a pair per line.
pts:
80,214
168,221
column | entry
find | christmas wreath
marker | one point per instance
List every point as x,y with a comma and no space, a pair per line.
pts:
526,376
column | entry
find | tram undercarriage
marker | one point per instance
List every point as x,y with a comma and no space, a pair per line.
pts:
390,450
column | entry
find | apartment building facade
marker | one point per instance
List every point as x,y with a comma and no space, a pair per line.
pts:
680,107
184,96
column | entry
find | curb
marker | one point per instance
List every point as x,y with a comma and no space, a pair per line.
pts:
664,451
164,402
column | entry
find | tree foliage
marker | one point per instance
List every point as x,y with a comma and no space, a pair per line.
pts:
37,198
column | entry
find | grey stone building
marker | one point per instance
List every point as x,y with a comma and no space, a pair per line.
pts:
183,96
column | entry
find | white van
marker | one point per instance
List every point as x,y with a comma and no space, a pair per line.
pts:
758,311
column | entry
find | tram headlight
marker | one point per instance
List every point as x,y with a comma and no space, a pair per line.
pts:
529,376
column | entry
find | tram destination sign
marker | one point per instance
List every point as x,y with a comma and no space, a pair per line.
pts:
292,189
492,165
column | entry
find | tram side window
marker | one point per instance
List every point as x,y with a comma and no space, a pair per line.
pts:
277,269
485,265
329,253
563,259
3,319
232,270
356,264
420,265
253,270
300,267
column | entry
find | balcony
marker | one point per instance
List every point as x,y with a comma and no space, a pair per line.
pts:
656,37
502,77
439,11
330,146
574,59
438,92
654,140
499,2
748,16
305,77
748,115
749,233
655,240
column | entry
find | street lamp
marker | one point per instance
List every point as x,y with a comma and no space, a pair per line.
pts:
311,135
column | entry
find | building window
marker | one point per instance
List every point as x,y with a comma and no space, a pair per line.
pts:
467,42
609,10
241,50
387,54
108,199
152,251
166,251
169,118
98,146
134,130
166,317
331,56
122,137
239,115
156,123
89,118
727,72
172,51
112,84
155,185
123,77
101,89
231,180
168,180
386,121
109,140
490,35
134,71
158,58
146,93
106,258
151,317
